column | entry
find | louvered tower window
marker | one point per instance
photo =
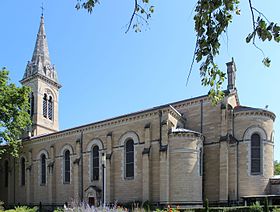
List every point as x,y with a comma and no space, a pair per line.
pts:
129,159
32,104
95,163
45,105
50,108
255,154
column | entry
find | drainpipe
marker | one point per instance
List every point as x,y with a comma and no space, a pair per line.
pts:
82,165
160,130
237,159
201,116
14,181
201,131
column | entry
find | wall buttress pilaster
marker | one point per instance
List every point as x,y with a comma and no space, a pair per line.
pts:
109,185
164,166
146,166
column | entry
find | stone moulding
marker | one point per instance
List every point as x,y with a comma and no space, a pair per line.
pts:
121,120
184,134
43,78
256,113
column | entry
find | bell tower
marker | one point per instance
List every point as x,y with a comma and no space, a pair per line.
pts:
41,76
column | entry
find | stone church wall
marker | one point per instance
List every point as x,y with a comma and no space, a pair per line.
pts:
186,189
247,124
158,173
202,116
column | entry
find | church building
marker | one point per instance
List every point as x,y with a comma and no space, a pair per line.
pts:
179,153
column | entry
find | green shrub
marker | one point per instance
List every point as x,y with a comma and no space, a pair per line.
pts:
206,205
148,206
1,205
256,207
266,207
59,210
23,209
276,209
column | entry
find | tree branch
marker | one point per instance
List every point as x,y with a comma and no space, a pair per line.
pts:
254,25
260,13
143,19
193,59
253,15
132,16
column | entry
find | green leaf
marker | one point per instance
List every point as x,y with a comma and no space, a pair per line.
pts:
277,38
270,26
152,9
266,61
249,38
238,11
262,24
14,106
276,28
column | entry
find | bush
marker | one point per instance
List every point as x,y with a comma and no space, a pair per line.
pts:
256,207
206,205
276,209
59,210
266,207
84,207
23,209
148,206
1,205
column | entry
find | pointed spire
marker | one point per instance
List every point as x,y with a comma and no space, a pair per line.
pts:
41,50
40,62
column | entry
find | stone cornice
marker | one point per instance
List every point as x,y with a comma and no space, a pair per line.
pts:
256,112
185,134
172,111
40,76
92,126
120,120
190,102
199,99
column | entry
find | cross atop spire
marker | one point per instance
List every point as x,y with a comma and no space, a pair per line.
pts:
42,8
40,62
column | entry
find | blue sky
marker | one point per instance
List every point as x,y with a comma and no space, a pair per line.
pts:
106,73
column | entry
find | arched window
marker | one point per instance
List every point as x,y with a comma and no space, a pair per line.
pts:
66,166
31,104
6,173
255,154
22,170
43,169
129,159
45,105
95,163
50,108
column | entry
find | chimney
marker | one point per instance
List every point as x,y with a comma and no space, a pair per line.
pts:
231,69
